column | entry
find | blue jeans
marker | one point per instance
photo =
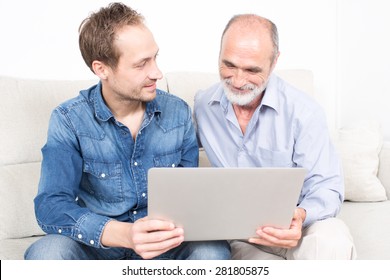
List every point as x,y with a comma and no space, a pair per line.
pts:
59,247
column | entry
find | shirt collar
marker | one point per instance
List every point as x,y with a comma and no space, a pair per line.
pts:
270,98
103,113
220,97
152,107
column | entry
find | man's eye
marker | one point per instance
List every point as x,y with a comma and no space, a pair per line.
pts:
142,65
254,71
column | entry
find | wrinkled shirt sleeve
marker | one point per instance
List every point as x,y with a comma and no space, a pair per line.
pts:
56,206
323,189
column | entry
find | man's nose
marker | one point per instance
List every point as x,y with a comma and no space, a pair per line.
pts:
155,73
239,79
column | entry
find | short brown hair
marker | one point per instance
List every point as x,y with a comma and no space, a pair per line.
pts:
97,33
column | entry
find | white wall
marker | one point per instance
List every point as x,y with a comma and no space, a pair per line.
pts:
342,41
364,62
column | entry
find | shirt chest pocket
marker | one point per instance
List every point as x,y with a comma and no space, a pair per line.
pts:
168,160
103,180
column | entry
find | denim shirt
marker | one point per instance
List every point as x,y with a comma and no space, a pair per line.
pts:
93,171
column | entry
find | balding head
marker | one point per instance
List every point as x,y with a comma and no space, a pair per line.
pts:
248,55
254,25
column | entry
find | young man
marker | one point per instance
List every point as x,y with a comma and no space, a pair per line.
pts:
252,118
92,198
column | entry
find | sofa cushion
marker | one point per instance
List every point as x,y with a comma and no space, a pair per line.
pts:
25,109
359,146
186,84
369,226
300,78
18,187
13,249
384,167
203,159
162,84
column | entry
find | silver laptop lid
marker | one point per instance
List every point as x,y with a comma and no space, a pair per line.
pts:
224,203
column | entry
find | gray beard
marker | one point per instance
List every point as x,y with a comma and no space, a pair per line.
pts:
242,99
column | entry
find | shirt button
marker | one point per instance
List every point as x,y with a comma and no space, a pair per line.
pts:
173,165
91,242
80,236
134,212
143,194
60,231
103,175
135,163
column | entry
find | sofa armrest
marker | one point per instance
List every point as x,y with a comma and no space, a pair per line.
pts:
384,167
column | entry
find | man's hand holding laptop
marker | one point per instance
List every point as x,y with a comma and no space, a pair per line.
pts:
285,238
152,238
149,238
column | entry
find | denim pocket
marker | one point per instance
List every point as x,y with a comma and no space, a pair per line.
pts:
103,180
168,160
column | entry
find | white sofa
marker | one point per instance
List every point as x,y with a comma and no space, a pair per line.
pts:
24,113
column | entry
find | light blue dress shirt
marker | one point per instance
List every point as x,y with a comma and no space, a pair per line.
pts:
288,129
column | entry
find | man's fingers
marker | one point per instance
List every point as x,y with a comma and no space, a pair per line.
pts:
276,237
151,250
146,225
158,235
154,237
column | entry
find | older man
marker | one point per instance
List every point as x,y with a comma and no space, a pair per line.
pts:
252,118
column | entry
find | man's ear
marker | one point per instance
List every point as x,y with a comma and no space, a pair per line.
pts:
100,69
275,61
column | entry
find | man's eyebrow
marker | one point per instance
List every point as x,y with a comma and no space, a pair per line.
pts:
145,59
254,69
142,60
228,63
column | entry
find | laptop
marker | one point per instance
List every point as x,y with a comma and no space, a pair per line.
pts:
224,203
